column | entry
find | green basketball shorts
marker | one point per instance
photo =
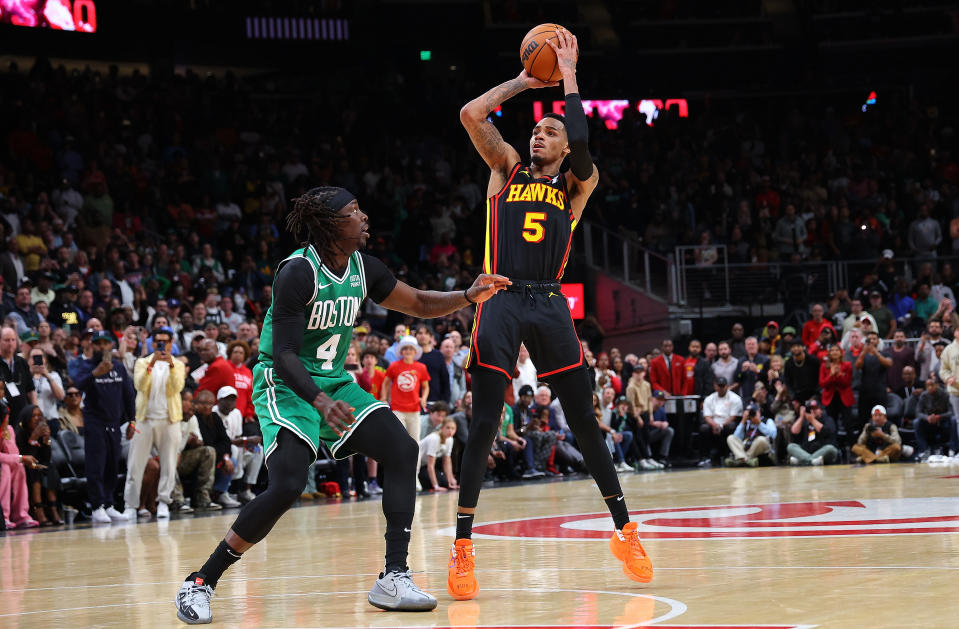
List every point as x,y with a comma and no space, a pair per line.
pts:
278,407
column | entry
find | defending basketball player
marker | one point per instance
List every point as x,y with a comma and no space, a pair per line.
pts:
531,212
303,395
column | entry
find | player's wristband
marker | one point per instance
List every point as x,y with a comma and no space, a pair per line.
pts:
466,296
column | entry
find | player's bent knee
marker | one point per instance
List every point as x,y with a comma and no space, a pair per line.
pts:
287,490
403,454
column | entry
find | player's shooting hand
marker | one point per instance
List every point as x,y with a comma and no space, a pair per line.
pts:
338,415
533,83
566,49
486,286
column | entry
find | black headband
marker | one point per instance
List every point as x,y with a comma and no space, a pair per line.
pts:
341,199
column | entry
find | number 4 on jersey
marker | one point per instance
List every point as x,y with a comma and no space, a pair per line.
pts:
532,228
327,351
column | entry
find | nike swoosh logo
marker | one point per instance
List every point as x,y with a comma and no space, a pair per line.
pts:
620,499
462,516
322,286
407,531
391,590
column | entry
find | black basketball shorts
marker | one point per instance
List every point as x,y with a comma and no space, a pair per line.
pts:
534,313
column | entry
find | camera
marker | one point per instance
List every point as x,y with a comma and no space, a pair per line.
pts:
161,346
38,360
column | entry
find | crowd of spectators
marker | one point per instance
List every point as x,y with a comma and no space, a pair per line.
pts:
141,222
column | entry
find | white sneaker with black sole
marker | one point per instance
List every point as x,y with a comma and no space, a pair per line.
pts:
163,510
396,592
193,602
246,495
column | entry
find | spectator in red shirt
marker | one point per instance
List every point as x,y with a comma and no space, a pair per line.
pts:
406,387
215,372
835,378
827,337
444,252
812,328
699,377
767,197
239,353
667,372
371,375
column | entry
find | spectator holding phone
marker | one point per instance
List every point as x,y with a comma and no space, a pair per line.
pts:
46,383
158,380
108,402
873,366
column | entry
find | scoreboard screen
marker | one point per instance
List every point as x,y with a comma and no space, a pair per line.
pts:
58,15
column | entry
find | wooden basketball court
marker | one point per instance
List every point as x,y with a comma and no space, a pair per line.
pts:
805,547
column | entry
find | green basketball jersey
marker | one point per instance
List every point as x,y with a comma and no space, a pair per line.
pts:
330,315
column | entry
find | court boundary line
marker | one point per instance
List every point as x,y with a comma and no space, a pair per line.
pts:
677,608
479,570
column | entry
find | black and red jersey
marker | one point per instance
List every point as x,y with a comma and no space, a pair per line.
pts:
529,227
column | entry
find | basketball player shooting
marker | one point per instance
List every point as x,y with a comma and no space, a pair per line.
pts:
531,212
303,395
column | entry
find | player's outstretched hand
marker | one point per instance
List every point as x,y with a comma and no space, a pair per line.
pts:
533,83
486,286
338,415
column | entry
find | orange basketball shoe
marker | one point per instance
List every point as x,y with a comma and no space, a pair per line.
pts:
625,546
461,583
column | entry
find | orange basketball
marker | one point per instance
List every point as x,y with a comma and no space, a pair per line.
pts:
537,56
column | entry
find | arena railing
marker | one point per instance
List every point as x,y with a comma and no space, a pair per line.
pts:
624,257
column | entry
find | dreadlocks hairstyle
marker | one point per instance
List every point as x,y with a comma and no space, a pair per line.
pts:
314,214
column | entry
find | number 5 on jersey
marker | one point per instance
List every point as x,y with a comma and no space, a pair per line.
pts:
532,227
327,351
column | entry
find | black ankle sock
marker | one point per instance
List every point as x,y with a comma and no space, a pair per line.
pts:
397,540
464,526
221,559
617,509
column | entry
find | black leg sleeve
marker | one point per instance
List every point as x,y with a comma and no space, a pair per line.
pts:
289,465
575,395
489,390
383,438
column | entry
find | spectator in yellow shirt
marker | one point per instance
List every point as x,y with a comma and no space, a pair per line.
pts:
31,246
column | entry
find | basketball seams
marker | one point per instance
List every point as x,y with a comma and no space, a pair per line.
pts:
530,65
532,62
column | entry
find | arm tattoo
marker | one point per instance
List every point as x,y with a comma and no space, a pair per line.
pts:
492,138
503,92
494,98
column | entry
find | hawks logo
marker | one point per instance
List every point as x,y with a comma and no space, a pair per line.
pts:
406,381
901,516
